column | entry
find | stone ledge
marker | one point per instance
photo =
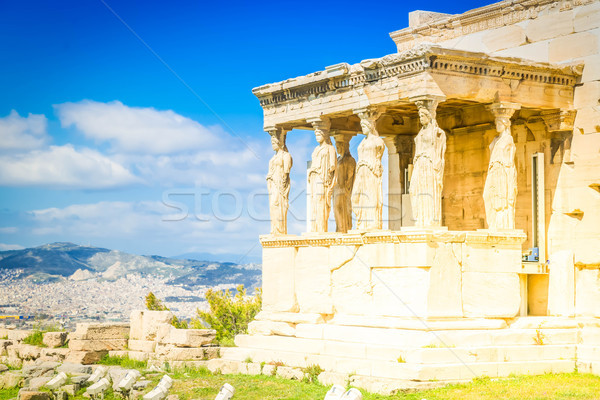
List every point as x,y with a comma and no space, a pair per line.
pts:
418,324
406,235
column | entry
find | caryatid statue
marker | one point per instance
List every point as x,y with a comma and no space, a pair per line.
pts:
278,182
320,176
367,193
500,190
343,182
427,178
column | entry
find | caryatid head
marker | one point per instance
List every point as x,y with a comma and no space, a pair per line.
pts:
341,146
366,126
425,116
427,110
502,124
502,113
368,121
322,130
277,138
275,143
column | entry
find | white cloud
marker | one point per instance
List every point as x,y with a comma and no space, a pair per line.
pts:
63,167
137,129
23,133
6,247
9,229
149,226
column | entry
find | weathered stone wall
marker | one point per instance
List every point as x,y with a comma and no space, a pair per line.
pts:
564,32
395,274
150,336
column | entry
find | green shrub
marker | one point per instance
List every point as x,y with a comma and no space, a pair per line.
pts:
179,323
153,303
312,373
36,338
229,315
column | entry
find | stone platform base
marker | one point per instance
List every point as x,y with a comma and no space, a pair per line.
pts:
411,354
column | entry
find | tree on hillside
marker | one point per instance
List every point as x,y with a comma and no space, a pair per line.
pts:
153,303
229,315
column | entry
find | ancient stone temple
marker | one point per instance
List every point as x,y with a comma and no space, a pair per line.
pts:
489,260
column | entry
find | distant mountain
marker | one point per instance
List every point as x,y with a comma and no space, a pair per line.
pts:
68,260
54,259
221,257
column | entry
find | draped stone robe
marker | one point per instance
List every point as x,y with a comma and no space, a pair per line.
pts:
278,185
500,190
342,192
320,180
367,193
427,177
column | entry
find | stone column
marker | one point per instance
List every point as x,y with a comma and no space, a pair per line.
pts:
367,193
500,190
428,165
321,176
405,145
400,149
395,187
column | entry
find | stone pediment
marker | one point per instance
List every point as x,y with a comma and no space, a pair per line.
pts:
427,69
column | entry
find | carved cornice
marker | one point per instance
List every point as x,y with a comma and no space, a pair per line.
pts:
559,120
489,17
391,68
409,236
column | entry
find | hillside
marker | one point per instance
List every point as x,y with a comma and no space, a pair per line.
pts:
68,260
86,282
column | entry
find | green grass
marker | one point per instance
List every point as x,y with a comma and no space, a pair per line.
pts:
125,362
6,394
36,338
201,384
12,367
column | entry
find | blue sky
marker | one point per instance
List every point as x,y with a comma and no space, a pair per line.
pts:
158,148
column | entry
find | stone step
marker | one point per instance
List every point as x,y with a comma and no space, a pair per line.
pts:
402,371
490,354
588,352
444,338
590,336
588,367
424,354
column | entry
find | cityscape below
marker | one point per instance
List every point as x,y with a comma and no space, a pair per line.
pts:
64,283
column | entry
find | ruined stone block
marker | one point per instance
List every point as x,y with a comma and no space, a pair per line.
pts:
93,331
85,357
188,337
55,339
98,345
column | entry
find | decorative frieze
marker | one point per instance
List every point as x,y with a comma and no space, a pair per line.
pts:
559,120
387,71
355,238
